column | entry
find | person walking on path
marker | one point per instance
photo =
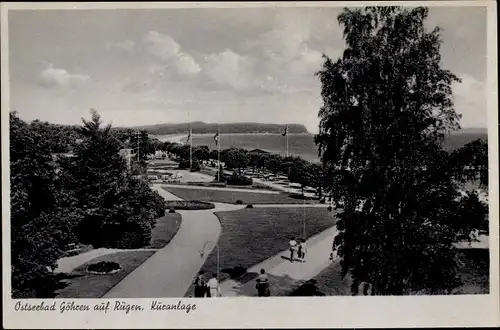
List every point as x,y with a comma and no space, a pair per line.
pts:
213,287
200,287
263,285
293,248
302,250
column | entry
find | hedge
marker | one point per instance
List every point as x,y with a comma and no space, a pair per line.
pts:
239,180
189,205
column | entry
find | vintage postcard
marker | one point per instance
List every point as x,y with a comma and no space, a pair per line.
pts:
250,164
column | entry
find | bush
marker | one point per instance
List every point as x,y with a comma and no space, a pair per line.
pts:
104,267
239,202
249,206
185,164
189,205
239,180
172,210
135,235
206,184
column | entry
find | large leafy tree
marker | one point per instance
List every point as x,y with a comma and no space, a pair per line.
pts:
387,107
41,211
299,171
235,158
470,163
117,211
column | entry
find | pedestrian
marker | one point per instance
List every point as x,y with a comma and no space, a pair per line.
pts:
263,286
293,248
302,250
199,285
213,287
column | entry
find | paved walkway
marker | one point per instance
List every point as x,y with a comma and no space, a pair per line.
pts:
283,274
256,191
289,205
170,271
168,196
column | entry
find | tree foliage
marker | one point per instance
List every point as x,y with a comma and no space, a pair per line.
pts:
85,197
387,107
39,210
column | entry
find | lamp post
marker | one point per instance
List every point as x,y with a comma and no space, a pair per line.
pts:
304,221
202,253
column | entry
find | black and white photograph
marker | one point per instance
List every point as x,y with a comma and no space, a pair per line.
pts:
253,152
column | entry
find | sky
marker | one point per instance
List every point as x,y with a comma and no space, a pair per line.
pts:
150,66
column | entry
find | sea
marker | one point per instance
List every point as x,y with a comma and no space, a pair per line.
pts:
298,144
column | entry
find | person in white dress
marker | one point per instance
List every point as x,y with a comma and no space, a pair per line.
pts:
213,287
293,248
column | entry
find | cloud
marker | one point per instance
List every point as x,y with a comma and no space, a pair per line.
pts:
168,52
230,69
470,101
126,45
51,77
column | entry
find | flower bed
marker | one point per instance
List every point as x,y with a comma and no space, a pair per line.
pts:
104,268
189,205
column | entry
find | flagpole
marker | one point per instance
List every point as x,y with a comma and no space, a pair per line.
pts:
286,141
190,148
138,147
218,153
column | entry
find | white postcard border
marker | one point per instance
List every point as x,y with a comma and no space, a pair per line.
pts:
355,312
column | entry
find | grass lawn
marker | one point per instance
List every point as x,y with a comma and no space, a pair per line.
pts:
165,229
474,273
232,196
250,236
84,285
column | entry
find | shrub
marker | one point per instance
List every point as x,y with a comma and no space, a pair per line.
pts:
239,180
134,235
104,267
189,205
239,202
249,206
185,164
172,210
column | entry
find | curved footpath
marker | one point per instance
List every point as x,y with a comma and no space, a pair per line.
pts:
170,271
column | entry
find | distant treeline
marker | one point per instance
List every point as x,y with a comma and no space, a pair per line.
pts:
203,128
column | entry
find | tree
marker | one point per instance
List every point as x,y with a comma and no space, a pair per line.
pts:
117,211
201,153
470,163
317,178
299,172
273,163
235,158
387,105
41,212
255,160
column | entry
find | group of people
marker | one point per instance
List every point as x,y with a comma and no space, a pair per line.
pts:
204,289
211,287
298,248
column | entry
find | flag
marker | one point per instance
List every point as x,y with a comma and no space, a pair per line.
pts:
285,131
216,138
189,137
